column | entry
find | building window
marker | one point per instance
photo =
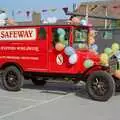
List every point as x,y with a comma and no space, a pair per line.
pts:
107,35
42,33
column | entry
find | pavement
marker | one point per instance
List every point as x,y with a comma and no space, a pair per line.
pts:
56,101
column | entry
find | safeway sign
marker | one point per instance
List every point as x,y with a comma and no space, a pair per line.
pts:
18,34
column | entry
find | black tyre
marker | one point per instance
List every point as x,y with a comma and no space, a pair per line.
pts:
117,83
12,79
100,86
39,82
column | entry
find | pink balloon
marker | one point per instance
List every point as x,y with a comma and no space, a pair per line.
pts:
90,25
75,20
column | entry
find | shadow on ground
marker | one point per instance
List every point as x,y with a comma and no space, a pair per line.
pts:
60,88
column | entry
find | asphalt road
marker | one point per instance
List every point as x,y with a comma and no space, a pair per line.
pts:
56,101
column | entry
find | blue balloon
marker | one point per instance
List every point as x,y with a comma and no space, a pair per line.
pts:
94,47
3,16
69,51
61,31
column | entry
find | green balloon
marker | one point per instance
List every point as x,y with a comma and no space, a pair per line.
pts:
108,51
81,45
88,63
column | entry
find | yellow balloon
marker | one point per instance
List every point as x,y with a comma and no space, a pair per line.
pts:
115,47
104,59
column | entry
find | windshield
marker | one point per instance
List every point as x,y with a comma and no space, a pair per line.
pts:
80,38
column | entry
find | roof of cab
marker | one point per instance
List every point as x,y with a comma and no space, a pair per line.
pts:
44,25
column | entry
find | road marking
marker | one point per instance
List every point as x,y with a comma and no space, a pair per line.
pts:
20,98
34,106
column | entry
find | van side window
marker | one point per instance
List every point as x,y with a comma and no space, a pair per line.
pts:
42,33
60,35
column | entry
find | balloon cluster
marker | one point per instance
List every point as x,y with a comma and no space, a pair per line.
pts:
91,40
69,51
108,52
60,45
4,20
77,20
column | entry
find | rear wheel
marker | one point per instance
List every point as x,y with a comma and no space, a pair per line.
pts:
12,79
100,86
39,81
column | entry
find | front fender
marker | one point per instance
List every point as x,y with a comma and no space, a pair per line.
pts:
95,68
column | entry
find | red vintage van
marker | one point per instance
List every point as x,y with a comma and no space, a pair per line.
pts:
28,52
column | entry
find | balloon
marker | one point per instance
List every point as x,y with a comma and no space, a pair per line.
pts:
108,51
115,47
3,16
73,59
117,74
11,22
92,33
89,24
69,51
104,58
117,54
91,40
2,22
83,22
59,46
81,46
62,37
76,20
65,42
94,47
88,63
61,31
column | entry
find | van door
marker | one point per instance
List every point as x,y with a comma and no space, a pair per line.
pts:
58,61
43,48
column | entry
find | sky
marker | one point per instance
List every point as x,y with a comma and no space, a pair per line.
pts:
13,6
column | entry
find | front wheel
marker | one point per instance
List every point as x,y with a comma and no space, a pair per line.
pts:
100,86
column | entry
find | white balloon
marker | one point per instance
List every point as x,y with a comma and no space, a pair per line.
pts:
2,22
3,16
117,54
73,59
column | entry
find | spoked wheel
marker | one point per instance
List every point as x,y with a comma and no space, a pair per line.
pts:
12,79
100,86
39,82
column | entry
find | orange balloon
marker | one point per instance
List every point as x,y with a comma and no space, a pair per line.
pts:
117,74
59,46
92,33
11,22
91,40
